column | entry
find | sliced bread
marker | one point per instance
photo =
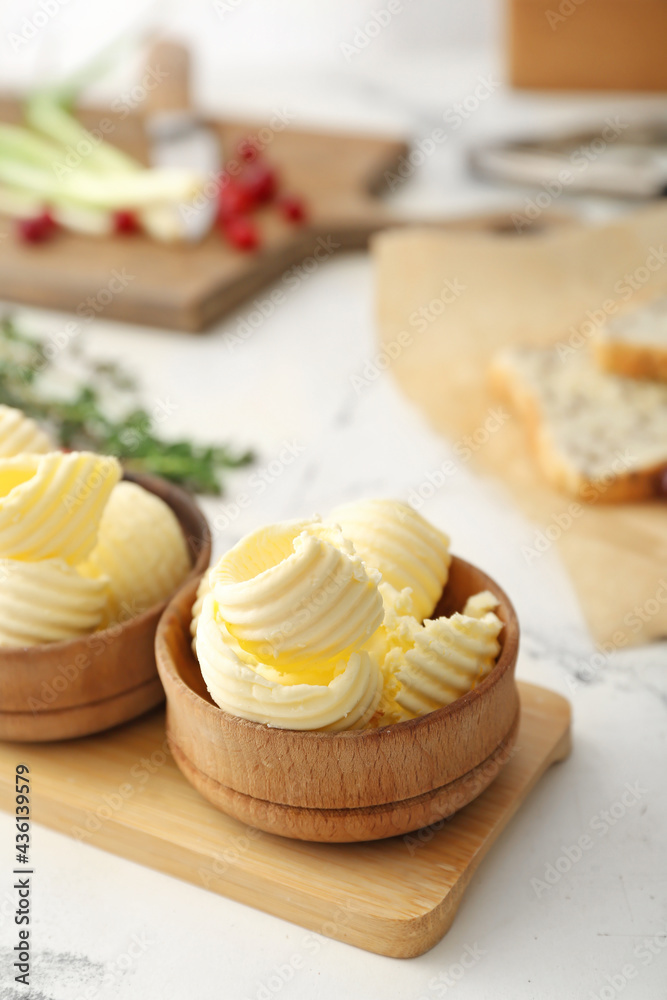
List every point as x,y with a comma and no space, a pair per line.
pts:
597,436
635,343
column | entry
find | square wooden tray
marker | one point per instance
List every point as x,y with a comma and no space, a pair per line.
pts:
122,791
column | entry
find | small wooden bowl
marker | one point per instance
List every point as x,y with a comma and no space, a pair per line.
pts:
85,685
347,786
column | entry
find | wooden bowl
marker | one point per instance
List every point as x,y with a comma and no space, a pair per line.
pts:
347,786
85,685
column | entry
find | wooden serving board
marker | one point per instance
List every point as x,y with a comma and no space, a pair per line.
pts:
396,897
187,287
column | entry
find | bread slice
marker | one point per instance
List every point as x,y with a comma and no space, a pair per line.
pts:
596,436
635,343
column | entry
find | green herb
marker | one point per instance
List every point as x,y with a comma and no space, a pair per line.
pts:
79,419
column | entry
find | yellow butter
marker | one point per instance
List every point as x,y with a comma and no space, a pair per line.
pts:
408,551
398,627
318,625
140,548
238,685
295,594
47,601
448,658
203,589
20,435
51,505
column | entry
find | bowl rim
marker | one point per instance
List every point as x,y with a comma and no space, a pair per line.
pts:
506,660
143,479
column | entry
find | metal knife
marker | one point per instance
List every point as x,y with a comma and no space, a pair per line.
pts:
630,164
177,135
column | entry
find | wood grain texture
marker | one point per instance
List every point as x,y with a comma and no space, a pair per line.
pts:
359,824
591,45
80,686
188,287
172,92
122,791
340,786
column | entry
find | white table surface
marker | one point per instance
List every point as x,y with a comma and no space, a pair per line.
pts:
104,927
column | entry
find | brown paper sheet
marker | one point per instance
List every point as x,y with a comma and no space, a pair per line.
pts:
478,292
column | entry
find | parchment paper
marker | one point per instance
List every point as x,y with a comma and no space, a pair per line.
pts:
477,292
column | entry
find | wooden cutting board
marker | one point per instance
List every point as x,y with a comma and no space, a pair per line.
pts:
188,287
122,791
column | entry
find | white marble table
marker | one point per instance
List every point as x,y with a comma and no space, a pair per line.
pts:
541,921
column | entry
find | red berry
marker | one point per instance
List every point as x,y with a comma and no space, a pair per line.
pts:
662,483
262,181
36,230
49,223
235,198
293,208
125,223
248,150
241,232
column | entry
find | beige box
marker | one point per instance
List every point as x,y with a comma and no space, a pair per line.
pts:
588,44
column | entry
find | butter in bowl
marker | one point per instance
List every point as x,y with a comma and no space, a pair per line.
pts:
88,558
343,679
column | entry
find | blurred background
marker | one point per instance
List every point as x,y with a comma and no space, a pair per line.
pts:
495,98
354,64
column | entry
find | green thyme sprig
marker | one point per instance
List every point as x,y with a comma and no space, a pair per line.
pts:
80,419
